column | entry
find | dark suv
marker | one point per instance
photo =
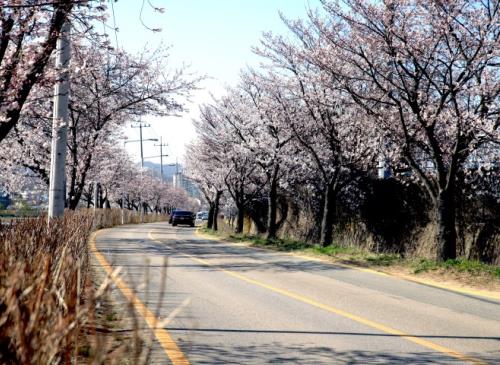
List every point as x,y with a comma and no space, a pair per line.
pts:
183,217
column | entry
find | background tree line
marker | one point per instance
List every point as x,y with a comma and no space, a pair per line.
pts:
110,88
407,89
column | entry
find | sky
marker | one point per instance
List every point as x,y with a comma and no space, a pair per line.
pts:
213,37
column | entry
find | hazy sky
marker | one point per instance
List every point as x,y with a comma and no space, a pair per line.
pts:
214,37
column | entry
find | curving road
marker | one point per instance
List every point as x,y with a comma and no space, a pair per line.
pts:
228,304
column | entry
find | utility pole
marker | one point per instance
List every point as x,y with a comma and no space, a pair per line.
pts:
96,198
161,156
161,159
140,126
59,125
123,198
123,188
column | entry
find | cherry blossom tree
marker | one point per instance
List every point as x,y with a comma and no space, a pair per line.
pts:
204,167
236,163
122,182
325,123
268,137
28,36
113,169
427,74
104,96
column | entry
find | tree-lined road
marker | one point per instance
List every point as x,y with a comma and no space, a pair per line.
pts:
233,304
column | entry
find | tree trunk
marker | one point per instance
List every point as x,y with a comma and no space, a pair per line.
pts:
241,218
87,197
256,217
210,222
74,199
328,215
272,210
216,209
100,198
314,232
445,220
283,207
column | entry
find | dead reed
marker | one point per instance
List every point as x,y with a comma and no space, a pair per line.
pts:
42,269
47,299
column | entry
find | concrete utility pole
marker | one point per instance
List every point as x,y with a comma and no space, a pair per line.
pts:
96,198
96,195
161,156
140,126
123,191
59,125
123,188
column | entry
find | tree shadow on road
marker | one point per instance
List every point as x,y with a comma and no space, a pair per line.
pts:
279,353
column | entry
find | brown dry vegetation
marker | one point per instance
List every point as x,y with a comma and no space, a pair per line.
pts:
42,272
354,244
417,242
47,300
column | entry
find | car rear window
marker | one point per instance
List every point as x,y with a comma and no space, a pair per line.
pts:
183,213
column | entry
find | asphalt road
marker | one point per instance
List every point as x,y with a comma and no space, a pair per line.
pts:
228,304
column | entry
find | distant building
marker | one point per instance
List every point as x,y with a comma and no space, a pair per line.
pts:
173,174
181,181
383,167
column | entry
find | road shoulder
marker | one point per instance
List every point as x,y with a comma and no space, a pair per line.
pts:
142,322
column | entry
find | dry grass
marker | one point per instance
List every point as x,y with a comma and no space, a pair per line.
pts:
48,304
105,218
42,274
424,243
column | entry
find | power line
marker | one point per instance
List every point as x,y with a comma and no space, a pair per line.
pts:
168,148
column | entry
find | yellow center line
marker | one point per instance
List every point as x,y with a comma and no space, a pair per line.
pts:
340,312
166,341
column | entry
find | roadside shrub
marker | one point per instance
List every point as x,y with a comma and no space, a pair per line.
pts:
106,218
42,273
47,299
392,211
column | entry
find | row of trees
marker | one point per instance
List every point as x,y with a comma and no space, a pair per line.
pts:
109,88
411,87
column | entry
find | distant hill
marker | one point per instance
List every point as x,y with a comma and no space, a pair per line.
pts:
168,170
